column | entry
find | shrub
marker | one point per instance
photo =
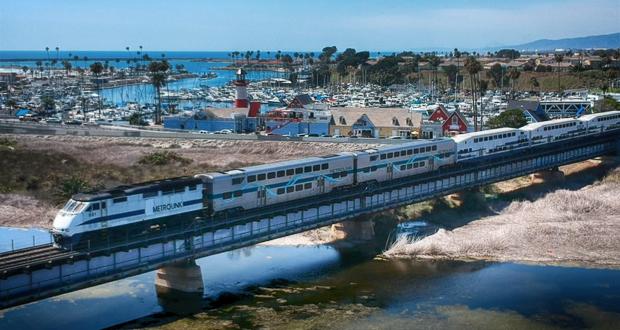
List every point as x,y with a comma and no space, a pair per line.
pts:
161,158
73,185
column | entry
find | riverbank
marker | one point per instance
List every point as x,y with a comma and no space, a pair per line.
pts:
563,227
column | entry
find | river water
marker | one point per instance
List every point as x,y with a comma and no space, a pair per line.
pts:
339,286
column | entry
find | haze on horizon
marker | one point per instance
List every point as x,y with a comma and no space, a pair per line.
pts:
186,25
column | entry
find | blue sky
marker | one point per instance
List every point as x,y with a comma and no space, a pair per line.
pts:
297,25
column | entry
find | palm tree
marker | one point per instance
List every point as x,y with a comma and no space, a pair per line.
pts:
67,66
473,67
158,73
457,54
47,50
434,61
97,68
534,82
513,74
558,59
57,53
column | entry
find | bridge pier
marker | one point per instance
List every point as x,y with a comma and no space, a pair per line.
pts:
182,277
361,229
553,175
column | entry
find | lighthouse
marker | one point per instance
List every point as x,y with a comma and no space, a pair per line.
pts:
241,100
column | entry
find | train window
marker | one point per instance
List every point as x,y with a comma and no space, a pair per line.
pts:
119,200
237,180
434,148
410,152
307,169
409,166
316,167
299,187
415,165
290,171
307,185
476,140
373,158
343,174
103,205
335,175
281,174
366,170
95,207
261,177
390,155
271,175
299,170
290,189
238,193
403,167
192,187
325,166
227,195
251,178
428,149
422,164
383,156
167,192
150,194
374,168
280,191
179,190
416,151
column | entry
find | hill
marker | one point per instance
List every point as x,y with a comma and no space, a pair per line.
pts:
599,41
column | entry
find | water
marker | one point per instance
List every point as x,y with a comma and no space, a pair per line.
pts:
18,238
345,278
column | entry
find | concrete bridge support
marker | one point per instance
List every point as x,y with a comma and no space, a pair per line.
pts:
360,229
183,277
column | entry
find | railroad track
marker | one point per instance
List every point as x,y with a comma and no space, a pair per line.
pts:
31,256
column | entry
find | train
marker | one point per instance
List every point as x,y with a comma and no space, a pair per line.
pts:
123,212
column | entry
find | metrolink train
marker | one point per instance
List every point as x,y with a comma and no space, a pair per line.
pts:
180,202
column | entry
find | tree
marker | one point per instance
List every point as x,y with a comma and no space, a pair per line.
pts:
97,68
513,74
496,72
11,104
534,82
158,72
473,67
457,54
327,53
559,58
513,118
508,53
452,73
136,119
67,65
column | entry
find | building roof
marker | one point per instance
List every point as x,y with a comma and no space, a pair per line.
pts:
531,107
380,117
229,113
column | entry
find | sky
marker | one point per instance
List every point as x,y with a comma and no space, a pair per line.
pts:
223,25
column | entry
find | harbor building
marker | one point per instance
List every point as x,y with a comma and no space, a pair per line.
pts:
301,116
375,122
443,122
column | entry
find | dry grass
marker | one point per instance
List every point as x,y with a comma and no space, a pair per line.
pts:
565,227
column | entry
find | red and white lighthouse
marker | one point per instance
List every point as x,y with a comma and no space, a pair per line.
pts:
241,99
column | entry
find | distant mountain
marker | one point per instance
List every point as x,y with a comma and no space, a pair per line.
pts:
600,41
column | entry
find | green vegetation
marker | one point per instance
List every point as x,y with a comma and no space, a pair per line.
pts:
137,120
160,158
510,118
608,104
7,143
158,72
73,185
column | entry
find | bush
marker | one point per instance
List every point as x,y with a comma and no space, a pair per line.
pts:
73,185
161,158
510,118
5,142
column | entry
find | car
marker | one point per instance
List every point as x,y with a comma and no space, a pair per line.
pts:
395,137
203,132
312,135
302,135
353,137
226,131
338,136
53,120
325,135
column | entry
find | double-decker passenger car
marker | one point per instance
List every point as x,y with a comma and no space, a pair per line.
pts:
397,161
554,130
484,143
601,122
256,186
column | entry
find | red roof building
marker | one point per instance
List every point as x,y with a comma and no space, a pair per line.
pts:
455,124
440,114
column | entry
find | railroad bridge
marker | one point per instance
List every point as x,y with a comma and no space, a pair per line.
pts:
35,273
